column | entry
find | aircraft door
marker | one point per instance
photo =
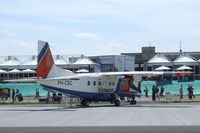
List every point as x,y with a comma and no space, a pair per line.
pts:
99,83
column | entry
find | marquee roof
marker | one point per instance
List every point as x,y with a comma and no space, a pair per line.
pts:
83,60
185,58
162,68
10,61
59,60
30,61
159,58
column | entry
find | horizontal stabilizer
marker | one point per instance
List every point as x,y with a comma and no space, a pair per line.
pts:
59,72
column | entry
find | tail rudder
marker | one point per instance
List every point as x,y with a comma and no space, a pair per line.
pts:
45,59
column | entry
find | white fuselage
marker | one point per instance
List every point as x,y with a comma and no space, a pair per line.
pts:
83,85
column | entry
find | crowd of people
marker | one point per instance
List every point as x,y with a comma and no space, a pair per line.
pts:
16,95
159,93
155,92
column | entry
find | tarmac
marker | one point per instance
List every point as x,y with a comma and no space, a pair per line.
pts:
100,115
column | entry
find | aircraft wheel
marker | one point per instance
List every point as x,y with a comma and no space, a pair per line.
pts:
84,103
117,102
133,102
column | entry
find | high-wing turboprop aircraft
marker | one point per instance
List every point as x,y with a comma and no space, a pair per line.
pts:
102,86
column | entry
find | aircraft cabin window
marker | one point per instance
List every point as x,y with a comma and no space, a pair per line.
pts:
113,84
94,83
99,83
88,83
110,84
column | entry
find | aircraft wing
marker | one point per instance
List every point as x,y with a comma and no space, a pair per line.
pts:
145,73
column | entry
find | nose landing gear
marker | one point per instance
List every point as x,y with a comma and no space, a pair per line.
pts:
133,101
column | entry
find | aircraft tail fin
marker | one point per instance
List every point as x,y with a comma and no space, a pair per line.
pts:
45,59
45,64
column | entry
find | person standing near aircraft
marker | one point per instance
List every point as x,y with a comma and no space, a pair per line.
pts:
156,91
192,91
153,93
13,95
37,94
146,91
189,92
162,89
181,92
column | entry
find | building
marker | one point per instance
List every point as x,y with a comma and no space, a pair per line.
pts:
110,63
149,60
12,67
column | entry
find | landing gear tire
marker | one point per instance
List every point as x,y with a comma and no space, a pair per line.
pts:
133,102
84,103
117,102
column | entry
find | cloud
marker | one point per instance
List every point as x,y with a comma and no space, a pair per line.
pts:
88,35
196,33
7,33
115,44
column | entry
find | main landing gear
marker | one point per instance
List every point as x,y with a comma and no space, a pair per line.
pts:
117,102
84,103
133,101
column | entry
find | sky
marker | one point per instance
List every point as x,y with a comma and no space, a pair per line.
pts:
98,27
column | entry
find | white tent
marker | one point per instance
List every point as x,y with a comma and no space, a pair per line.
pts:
9,62
158,60
83,60
162,68
59,60
28,71
30,63
184,68
15,71
2,71
185,58
82,71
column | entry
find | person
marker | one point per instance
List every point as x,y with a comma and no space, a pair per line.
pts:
153,93
16,94
189,92
156,91
37,93
192,92
48,97
13,96
146,91
181,92
162,89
